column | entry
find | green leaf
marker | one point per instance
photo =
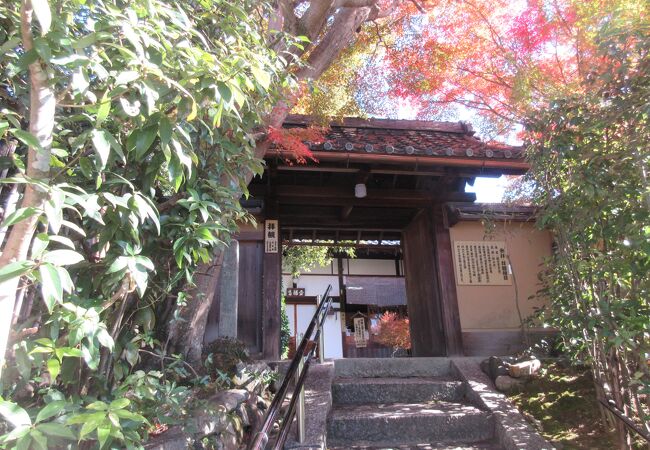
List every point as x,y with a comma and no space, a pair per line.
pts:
40,441
103,433
54,212
165,130
144,139
19,215
126,414
105,338
56,430
51,288
16,433
86,167
85,41
26,138
39,244
126,77
14,414
54,367
119,403
262,77
103,110
63,257
43,14
131,109
94,420
15,269
98,406
62,240
50,410
224,91
102,146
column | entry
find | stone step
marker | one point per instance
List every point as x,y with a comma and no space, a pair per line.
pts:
392,367
485,445
408,423
346,391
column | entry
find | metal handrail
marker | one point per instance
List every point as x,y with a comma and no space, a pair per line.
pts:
620,415
297,369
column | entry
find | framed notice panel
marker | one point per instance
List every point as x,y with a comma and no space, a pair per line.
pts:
271,237
481,263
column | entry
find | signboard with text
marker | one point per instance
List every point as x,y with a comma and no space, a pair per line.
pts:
360,333
296,292
481,263
271,236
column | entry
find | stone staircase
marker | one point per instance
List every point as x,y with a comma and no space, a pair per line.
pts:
395,404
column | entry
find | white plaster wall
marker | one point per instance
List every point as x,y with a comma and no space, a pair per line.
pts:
370,267
332,328
314,284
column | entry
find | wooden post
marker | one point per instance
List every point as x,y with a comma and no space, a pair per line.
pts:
447,283
271,285
431,286
422,291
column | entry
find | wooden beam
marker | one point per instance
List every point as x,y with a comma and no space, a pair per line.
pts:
392,170
344,196
345,212
507,166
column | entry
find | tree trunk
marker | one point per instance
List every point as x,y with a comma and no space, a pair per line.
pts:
41,124
186,334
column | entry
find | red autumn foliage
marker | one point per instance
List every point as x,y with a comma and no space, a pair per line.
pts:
393,331
291,142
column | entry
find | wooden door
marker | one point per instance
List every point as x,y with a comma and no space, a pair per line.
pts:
249,311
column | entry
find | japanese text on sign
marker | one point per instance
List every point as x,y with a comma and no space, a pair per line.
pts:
360,333
481,263
271,236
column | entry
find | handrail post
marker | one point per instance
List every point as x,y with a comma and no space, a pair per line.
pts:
321,345
300,408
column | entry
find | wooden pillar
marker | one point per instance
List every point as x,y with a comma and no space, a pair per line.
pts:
431,286
271,285
447,283
422,292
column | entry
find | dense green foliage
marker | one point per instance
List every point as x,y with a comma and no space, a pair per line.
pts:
590,168
304,258
157,105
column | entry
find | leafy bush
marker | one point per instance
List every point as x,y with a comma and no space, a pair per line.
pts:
590,165
143,121
393,331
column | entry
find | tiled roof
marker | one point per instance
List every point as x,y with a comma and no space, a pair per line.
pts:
406,137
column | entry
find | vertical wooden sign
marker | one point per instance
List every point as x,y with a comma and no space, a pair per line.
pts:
360,339
271,237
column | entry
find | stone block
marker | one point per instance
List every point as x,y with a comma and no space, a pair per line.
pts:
524,368
505,383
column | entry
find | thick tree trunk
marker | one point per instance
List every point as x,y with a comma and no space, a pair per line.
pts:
41,124
186,335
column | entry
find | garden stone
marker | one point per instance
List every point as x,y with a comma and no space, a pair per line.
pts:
230,399
504,383
495,366
524,368
246,375
229,438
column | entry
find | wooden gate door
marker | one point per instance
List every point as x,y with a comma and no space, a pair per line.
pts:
249,312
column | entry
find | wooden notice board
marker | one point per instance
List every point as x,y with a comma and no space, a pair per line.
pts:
481,263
